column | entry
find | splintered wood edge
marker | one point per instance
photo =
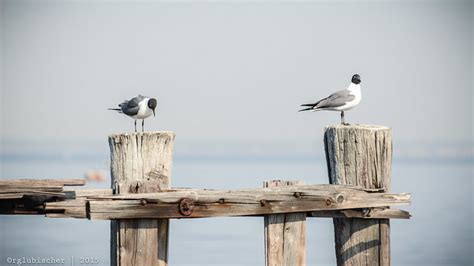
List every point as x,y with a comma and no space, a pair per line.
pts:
149,133
357,126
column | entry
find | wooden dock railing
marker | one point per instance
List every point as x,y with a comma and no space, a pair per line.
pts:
141,202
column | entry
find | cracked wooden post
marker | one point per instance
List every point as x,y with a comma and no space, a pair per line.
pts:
362,156
284,234
140,162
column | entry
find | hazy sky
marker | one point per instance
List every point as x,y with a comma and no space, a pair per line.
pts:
235,72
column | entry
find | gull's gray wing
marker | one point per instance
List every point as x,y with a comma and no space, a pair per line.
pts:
336,99
131,106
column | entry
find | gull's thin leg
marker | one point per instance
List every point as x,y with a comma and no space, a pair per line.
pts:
143,125
135,125
343,121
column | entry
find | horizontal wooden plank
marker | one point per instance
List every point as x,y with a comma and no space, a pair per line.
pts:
78,210
6,190
70,208
32,192
76,206
371,213
19,188
211,203
23,183
81,193
248,195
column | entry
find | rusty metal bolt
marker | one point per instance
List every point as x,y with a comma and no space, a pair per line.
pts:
263,203
297,194
186,206
143,202
221,200
328,202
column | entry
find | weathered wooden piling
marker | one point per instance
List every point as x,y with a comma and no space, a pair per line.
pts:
140,163
285,233
360,155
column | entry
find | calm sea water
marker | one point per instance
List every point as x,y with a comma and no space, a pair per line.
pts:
440,232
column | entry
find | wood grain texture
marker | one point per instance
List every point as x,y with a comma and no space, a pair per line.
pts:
76,204
41,183
285,234
18,188
360,156
241,202
211,203
140,162
84,193
368,213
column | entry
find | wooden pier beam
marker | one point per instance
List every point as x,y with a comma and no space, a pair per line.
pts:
361,156
284,234
140,163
